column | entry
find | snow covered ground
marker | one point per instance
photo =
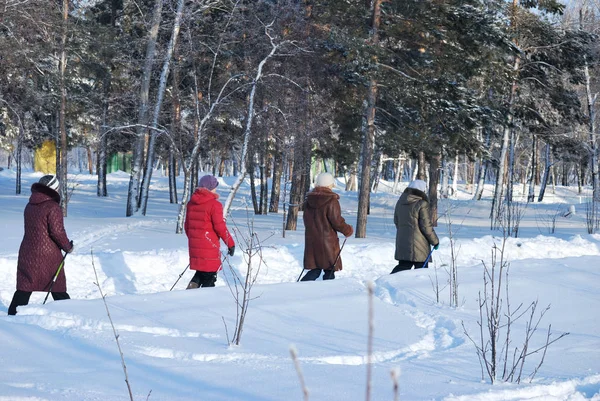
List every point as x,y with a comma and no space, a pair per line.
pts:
175,343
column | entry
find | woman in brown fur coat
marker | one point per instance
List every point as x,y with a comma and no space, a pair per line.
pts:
322,221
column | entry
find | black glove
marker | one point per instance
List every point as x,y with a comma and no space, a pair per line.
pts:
231,250
72,247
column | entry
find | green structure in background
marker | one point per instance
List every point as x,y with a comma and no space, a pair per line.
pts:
319,165
119,161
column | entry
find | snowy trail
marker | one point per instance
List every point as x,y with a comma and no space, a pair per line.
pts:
175,342
587,388
88,237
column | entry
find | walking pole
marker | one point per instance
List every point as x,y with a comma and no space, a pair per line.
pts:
182,273
336,258
298,279
62,262
339,253
427,260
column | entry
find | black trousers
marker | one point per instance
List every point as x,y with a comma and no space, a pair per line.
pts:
204,279
407,265
21,298
314,274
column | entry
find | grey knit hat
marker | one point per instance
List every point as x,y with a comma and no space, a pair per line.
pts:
50,181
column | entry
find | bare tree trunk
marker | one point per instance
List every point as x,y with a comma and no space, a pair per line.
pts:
172,178
580,177
101,166
591,107
306,179
297,183
295,199
195,165
531,194
62,173
421,167
90,161
546,173
276,185
444,177
470,174
133,194
511,167
496,204
222,166
79,165
160,96
101,160
264,185
351,180
184,200
19,159
364,194
377,173
251,176
554,177
176,131
398,174
434,178
455,177
483,166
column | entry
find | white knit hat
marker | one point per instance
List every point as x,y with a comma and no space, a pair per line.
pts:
418,184
50,181
324,180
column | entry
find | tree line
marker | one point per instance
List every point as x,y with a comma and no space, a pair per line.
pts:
263,88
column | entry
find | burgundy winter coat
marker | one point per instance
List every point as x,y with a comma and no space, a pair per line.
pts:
204,225
40,252
322,221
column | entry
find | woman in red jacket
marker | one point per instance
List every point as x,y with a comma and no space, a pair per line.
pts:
40,253
204,225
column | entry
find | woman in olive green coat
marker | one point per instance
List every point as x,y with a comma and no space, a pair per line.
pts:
414,231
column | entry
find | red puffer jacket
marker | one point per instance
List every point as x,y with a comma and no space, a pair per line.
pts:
204,225
40,251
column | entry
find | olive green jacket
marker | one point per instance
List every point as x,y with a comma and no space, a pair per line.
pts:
414,232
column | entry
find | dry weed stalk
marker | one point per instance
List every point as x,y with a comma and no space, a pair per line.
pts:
395,376
370,289
97,283
496,323
294,354
251,246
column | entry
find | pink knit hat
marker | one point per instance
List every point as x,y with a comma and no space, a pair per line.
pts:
209,182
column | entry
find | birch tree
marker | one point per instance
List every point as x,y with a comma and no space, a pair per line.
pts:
133,198
276,45
157,107
591,98
62,67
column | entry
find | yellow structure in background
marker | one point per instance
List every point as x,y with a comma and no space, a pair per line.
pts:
44,159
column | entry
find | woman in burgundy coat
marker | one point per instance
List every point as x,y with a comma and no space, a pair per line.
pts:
322,221
204,226
40,253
